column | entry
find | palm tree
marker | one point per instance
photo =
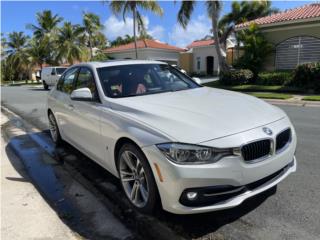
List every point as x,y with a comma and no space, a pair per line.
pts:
91,27
38,52
16,51
213,10
125,7
47,24
242,12
68,43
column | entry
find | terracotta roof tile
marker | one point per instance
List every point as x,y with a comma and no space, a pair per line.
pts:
303,12
201,43
146,43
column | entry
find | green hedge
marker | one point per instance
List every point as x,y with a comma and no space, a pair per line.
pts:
274,78
236,77
307,77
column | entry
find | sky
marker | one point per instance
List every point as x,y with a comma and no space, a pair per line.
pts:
15,15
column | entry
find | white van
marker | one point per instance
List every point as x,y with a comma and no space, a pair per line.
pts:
50,76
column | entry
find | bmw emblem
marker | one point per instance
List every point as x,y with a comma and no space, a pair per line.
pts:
267,131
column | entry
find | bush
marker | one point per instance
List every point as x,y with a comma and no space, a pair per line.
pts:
236,77
274,78
307,77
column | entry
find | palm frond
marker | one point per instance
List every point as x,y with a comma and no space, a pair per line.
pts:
185,12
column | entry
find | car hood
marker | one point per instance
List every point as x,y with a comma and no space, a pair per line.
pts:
198,115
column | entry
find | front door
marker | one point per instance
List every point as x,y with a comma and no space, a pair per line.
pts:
63,107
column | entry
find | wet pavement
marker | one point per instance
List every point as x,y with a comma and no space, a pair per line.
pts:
76,206
291,211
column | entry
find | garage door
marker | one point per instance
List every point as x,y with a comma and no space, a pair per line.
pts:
297,50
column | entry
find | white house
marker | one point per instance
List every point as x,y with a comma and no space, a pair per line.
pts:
147,49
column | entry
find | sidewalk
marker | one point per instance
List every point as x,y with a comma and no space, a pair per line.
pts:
24,213
295,101
208,79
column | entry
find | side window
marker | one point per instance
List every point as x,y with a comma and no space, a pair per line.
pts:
53,72
86,80
65,83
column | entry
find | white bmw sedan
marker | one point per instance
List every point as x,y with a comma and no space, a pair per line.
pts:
171,142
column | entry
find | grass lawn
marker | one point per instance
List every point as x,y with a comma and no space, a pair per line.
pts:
312,98
20,83
254,88
271,95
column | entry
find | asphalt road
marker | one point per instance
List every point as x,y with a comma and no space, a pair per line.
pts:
293,212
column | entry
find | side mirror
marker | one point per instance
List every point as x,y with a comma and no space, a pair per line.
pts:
197,80
81,94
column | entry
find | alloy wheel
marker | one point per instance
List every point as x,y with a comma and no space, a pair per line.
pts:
133,179
53,128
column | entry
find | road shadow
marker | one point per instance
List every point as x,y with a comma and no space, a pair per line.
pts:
189,226
34,166
199,225
39,89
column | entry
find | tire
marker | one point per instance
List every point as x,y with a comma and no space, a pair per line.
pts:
145,198
45,86
54,129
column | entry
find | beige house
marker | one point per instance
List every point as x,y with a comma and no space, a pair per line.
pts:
147,50
295,34
200,58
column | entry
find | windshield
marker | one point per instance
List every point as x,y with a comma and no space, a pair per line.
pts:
142,79
60,70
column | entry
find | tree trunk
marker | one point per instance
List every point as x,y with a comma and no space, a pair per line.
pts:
90,46
134,31
223,67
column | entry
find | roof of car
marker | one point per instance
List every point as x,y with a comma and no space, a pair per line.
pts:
110,63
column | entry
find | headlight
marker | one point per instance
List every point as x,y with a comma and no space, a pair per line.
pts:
193,154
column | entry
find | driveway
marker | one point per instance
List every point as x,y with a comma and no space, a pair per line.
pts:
293,212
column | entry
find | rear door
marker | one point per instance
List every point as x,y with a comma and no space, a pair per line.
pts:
52,76
63,106
85,118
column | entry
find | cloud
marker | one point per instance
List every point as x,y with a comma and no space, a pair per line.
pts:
196,29
157,32
114,27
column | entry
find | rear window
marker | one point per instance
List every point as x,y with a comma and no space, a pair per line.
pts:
60,70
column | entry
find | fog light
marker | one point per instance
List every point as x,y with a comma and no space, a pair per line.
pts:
192,195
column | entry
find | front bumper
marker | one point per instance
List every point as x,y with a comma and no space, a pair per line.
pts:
230,171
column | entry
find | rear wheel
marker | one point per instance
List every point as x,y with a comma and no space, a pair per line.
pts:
45,86
137,179
54,130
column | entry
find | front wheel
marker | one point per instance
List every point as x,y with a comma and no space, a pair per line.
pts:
137,179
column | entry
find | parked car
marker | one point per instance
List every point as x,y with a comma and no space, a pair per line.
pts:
51,75
170,141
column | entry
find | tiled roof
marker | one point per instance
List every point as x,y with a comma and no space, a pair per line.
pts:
146,43
303,12
201,43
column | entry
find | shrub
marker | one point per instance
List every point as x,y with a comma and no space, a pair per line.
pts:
274,78
307,77
236,77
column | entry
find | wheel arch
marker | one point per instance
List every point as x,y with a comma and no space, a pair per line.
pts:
120,142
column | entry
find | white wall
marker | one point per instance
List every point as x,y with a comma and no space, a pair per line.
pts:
149,54
203,53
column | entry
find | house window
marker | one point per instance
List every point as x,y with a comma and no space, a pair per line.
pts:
297,50
198,63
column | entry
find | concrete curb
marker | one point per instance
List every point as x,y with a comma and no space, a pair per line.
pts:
87,215
293,103
148,227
